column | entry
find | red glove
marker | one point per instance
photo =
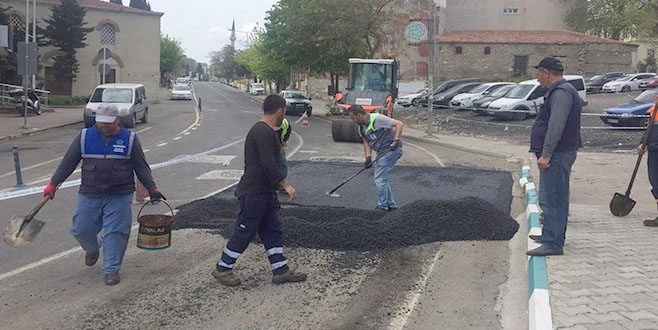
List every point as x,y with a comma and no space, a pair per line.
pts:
49,190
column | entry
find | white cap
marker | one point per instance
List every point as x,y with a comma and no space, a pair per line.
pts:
107,113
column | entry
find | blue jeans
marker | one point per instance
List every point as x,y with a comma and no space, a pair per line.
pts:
554,198
113,215
384,165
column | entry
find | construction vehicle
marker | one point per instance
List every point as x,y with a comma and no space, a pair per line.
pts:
373,85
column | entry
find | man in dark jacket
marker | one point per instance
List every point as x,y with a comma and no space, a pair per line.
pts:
555,139
652,159
111,156
259,203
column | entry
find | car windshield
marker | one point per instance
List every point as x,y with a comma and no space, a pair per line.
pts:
500,92
181,88
112,95
294,96
480,89
256,85
519,91
626,78
646,96
595,78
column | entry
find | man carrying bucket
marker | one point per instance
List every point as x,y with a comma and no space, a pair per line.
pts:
259,203
111,156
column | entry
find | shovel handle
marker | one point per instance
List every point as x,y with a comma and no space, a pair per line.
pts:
36,209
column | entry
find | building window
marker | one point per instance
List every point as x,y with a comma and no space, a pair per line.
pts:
458,50
487,50
510,11
108,34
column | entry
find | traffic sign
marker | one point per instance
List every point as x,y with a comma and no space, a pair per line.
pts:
31,58
416,32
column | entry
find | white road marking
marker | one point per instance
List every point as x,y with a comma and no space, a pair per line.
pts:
221,175
143,130
428,152
213,159
31,167
194,128
309,151
178,138
187,133
162,144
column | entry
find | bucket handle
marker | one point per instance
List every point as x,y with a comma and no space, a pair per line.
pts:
156,201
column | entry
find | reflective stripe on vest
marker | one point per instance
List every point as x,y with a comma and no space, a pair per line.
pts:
92,144
285,126
371,122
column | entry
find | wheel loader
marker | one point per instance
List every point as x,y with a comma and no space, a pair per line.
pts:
373,85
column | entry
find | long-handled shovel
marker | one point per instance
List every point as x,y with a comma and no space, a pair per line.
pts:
23,230
622,205
332,192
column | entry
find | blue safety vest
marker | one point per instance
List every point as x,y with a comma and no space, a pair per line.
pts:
107,166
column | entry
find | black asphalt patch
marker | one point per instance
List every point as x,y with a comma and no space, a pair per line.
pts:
434,205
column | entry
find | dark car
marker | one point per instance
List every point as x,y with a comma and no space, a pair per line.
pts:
297,103
421,100
624,114
442,99
595,83
480,104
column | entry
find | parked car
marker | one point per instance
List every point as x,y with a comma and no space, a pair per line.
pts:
594,84
527,98
465,100
442,87
129,98
181,92
257,89
442,100
627,83
620,115
297,103
184,80
649,83
480,104
407,100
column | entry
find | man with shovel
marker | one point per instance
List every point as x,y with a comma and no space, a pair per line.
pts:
111,156
382,134
652,158
555,139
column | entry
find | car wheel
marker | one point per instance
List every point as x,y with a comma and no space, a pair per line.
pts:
132,121
626,89
415,103
406,105
145,119
345,131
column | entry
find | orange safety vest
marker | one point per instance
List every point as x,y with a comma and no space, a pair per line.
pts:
651,111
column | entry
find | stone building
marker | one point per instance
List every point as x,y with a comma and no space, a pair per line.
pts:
125,40
498,54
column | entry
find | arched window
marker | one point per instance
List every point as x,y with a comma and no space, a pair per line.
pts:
458,50
487,50
108,34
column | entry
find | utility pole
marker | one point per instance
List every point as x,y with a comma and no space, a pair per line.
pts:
34,37
27,57
430,73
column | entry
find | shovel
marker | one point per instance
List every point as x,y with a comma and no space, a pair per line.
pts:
622,205
333,193
23,230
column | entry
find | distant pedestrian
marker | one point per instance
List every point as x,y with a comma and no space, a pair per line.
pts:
111,156
652,159
284,132
259,203
555,140
382,134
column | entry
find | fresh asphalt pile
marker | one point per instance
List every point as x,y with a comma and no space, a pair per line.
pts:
434,205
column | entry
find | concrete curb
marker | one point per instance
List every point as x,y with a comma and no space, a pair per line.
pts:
539,307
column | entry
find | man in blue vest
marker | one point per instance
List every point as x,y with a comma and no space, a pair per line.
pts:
382,134
555,139
111,156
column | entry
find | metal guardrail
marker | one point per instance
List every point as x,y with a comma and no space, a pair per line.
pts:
44,95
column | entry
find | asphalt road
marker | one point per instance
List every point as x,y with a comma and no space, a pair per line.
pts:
45,285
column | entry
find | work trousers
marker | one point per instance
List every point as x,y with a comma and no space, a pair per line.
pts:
554,198
652,169
259,214
113,215
385,199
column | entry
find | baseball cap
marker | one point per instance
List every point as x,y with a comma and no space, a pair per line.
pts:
550,63
107,113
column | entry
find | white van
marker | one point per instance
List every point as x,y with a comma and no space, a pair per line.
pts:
256,89
527,97
129,98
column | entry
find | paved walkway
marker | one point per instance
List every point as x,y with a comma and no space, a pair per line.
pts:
606,278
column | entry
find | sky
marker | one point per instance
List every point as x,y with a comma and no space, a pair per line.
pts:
203,25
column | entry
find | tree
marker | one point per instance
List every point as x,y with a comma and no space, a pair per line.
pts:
118,2
140,4
614,19
171,55
65,30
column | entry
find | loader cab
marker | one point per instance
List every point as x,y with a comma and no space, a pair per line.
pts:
373,75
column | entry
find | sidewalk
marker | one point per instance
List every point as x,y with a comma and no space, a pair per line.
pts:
606,277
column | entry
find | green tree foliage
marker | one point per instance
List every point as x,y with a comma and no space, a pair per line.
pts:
140,4
614,19
187,66
118,2
257,60
65,30
171,55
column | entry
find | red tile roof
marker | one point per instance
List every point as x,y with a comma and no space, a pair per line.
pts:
523,37
99,4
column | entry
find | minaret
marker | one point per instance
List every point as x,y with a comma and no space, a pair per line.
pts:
233,35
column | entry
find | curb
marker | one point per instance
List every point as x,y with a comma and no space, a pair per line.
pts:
539,307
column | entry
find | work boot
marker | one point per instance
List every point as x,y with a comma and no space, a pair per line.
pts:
651,222
289,276
536,238
91,258
226,277
112,278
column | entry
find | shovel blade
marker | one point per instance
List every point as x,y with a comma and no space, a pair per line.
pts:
29,232
621,205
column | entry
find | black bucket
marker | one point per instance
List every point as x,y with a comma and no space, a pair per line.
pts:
154,229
